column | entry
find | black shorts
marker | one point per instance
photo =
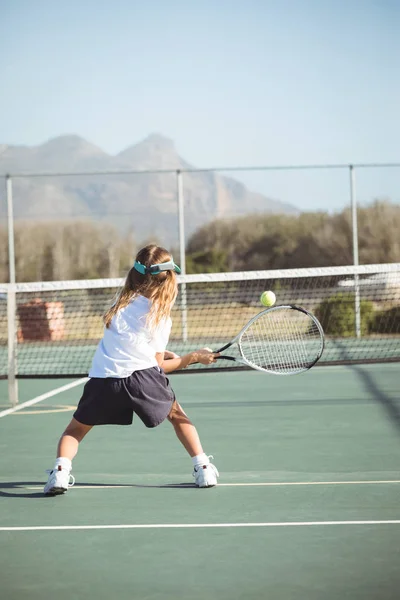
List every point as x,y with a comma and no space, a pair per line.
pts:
113,401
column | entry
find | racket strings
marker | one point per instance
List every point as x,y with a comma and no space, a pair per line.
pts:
283,341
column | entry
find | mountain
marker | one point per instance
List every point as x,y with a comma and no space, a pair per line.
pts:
145,203
63,153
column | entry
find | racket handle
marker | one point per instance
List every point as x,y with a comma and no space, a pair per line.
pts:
226,357
223,348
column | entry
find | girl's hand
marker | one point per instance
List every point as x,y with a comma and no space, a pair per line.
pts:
205,356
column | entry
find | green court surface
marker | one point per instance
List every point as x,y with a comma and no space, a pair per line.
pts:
308,506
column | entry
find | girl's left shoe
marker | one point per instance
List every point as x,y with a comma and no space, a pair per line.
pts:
206,475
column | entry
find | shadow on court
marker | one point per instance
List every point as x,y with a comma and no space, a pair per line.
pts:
15,489
391,407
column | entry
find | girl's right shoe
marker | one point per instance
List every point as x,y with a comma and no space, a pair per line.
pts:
58,482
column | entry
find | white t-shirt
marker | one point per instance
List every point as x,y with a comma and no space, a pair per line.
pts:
128,344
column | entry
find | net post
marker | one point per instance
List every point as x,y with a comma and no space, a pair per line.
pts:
353,202
12,346
11,300
10,227
182,254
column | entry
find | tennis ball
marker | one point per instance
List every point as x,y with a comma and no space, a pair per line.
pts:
268,298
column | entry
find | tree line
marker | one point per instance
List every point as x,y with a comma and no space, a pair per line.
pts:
89,249
315,239
52,251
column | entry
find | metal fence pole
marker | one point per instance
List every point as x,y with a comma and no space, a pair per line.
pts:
182,254
353,203
11,300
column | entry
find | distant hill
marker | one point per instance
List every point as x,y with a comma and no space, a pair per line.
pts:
144,203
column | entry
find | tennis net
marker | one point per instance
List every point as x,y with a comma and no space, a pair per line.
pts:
51,329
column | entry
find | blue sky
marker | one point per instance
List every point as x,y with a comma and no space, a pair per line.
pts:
232,83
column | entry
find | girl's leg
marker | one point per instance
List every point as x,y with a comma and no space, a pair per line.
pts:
185,430
60,476
70,439
204,472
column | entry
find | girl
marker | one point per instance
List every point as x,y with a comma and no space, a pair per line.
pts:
128,370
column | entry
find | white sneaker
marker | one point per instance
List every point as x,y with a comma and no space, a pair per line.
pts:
205,475
58,482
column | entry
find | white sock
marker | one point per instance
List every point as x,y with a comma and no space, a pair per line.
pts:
200,459
64,463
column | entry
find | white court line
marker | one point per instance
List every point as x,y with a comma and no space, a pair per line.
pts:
258,484
199,525
63,388
284,483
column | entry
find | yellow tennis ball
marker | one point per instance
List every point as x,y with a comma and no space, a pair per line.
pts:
268,298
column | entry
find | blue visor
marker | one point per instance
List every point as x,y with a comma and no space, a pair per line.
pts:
156,269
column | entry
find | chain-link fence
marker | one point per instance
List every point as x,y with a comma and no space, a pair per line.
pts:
87,225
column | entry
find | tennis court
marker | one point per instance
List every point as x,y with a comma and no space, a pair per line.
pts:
307,506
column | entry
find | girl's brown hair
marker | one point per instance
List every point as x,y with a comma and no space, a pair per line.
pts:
161,289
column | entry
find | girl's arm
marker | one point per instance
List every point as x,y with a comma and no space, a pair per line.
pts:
204,356
168,354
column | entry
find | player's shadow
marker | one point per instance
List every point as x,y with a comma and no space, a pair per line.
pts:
392,408
14,489
19,489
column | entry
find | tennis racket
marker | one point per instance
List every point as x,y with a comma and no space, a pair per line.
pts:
283,340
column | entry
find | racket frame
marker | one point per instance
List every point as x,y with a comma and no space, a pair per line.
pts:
244,361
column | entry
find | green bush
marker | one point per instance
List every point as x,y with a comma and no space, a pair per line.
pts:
386,321
337,315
